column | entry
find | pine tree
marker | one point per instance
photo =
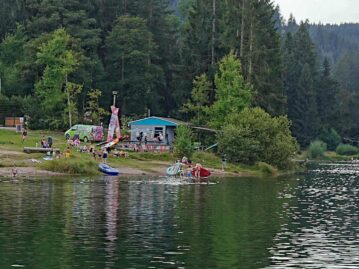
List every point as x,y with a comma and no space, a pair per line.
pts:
130,49
301,80
328,90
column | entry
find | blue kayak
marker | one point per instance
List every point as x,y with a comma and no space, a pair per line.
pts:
104,168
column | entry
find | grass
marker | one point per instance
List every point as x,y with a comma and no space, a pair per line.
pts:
73,165
11,140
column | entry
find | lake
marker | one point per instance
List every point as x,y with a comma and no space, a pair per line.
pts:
307,221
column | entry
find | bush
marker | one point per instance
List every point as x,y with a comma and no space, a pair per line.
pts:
267,169
253,135
316,149
330,137
183,143
71,166
347,150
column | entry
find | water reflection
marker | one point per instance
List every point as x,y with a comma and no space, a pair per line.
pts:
324,221
310,222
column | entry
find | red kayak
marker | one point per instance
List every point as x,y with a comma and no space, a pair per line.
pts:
204,173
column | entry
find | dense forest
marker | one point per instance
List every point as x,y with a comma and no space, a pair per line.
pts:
60,58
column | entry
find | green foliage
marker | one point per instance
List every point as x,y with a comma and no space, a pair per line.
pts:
301,76
183,145
267,169
59,61
93,109
72,91
233,94
11,54
198,106
131,49
253,135
330,137
71,166
347,150
316,149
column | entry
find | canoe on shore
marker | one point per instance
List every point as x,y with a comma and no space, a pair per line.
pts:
108,170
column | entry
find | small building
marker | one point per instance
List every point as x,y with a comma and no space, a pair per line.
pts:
154,130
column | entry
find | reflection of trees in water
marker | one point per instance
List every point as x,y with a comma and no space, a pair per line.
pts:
323,222
232,224
150,221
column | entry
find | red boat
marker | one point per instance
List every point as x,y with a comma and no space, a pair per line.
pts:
204,173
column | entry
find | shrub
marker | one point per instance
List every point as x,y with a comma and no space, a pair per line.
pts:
330,137
183,143
347,150
316,149
267,169
253,135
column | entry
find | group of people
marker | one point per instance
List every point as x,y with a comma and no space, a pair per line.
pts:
186,168
142,137
46,143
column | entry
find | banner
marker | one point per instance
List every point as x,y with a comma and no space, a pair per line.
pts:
114,125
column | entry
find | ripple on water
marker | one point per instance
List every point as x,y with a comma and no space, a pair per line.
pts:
327,204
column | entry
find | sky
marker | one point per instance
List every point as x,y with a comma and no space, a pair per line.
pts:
324,11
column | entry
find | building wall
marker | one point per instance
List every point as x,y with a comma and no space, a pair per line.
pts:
149,130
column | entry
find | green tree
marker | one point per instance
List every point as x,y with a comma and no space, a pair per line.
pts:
11,55
233,94
301,81
72,91
130,49
197,108
327,93
93,110
183,145
59,62
253,135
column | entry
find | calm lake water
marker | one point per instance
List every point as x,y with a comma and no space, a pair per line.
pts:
308,221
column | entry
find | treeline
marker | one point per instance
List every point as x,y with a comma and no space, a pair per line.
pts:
67,55
330,52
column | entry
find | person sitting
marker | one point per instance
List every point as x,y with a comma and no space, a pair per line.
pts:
184,160
123,154
67,152
84,149
116,153
76,143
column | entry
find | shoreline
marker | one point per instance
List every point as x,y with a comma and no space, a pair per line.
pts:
33,172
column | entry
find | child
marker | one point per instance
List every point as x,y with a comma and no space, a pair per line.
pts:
14,171
104,155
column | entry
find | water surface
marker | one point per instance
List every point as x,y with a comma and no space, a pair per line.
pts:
309,221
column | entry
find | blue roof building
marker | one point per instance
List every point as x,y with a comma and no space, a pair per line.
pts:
154,129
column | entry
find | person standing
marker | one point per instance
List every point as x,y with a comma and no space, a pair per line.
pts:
104,155
224,162
24,134
49,141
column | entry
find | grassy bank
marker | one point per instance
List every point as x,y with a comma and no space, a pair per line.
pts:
73,166
11,147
